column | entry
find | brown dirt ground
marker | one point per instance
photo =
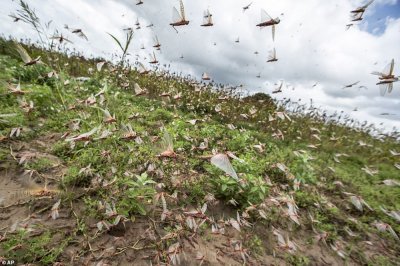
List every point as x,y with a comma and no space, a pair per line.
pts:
138,242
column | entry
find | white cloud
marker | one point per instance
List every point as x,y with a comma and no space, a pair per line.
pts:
311,41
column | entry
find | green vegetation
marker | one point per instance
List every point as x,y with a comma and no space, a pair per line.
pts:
111,182
25,248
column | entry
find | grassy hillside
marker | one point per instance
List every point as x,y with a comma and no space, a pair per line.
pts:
111,198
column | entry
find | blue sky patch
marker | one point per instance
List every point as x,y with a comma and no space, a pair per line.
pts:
376,20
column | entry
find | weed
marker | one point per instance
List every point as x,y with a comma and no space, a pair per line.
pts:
297,260
255,244
136,194
40,164
26,249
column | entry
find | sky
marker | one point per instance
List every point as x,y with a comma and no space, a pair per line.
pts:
311,42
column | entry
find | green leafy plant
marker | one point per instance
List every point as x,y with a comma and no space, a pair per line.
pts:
303,170
135,194
252,189
27,249
124,47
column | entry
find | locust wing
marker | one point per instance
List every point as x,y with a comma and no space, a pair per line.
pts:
356,202
100,65
23,53
389,68
272,54
273,32
222,162
156,41
182,10
378,73
205,16
367,4
386,87
383,88
210,20
83,35
142,68
387,71
390,87
357,16
176,17
264,16
166,142
138,90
